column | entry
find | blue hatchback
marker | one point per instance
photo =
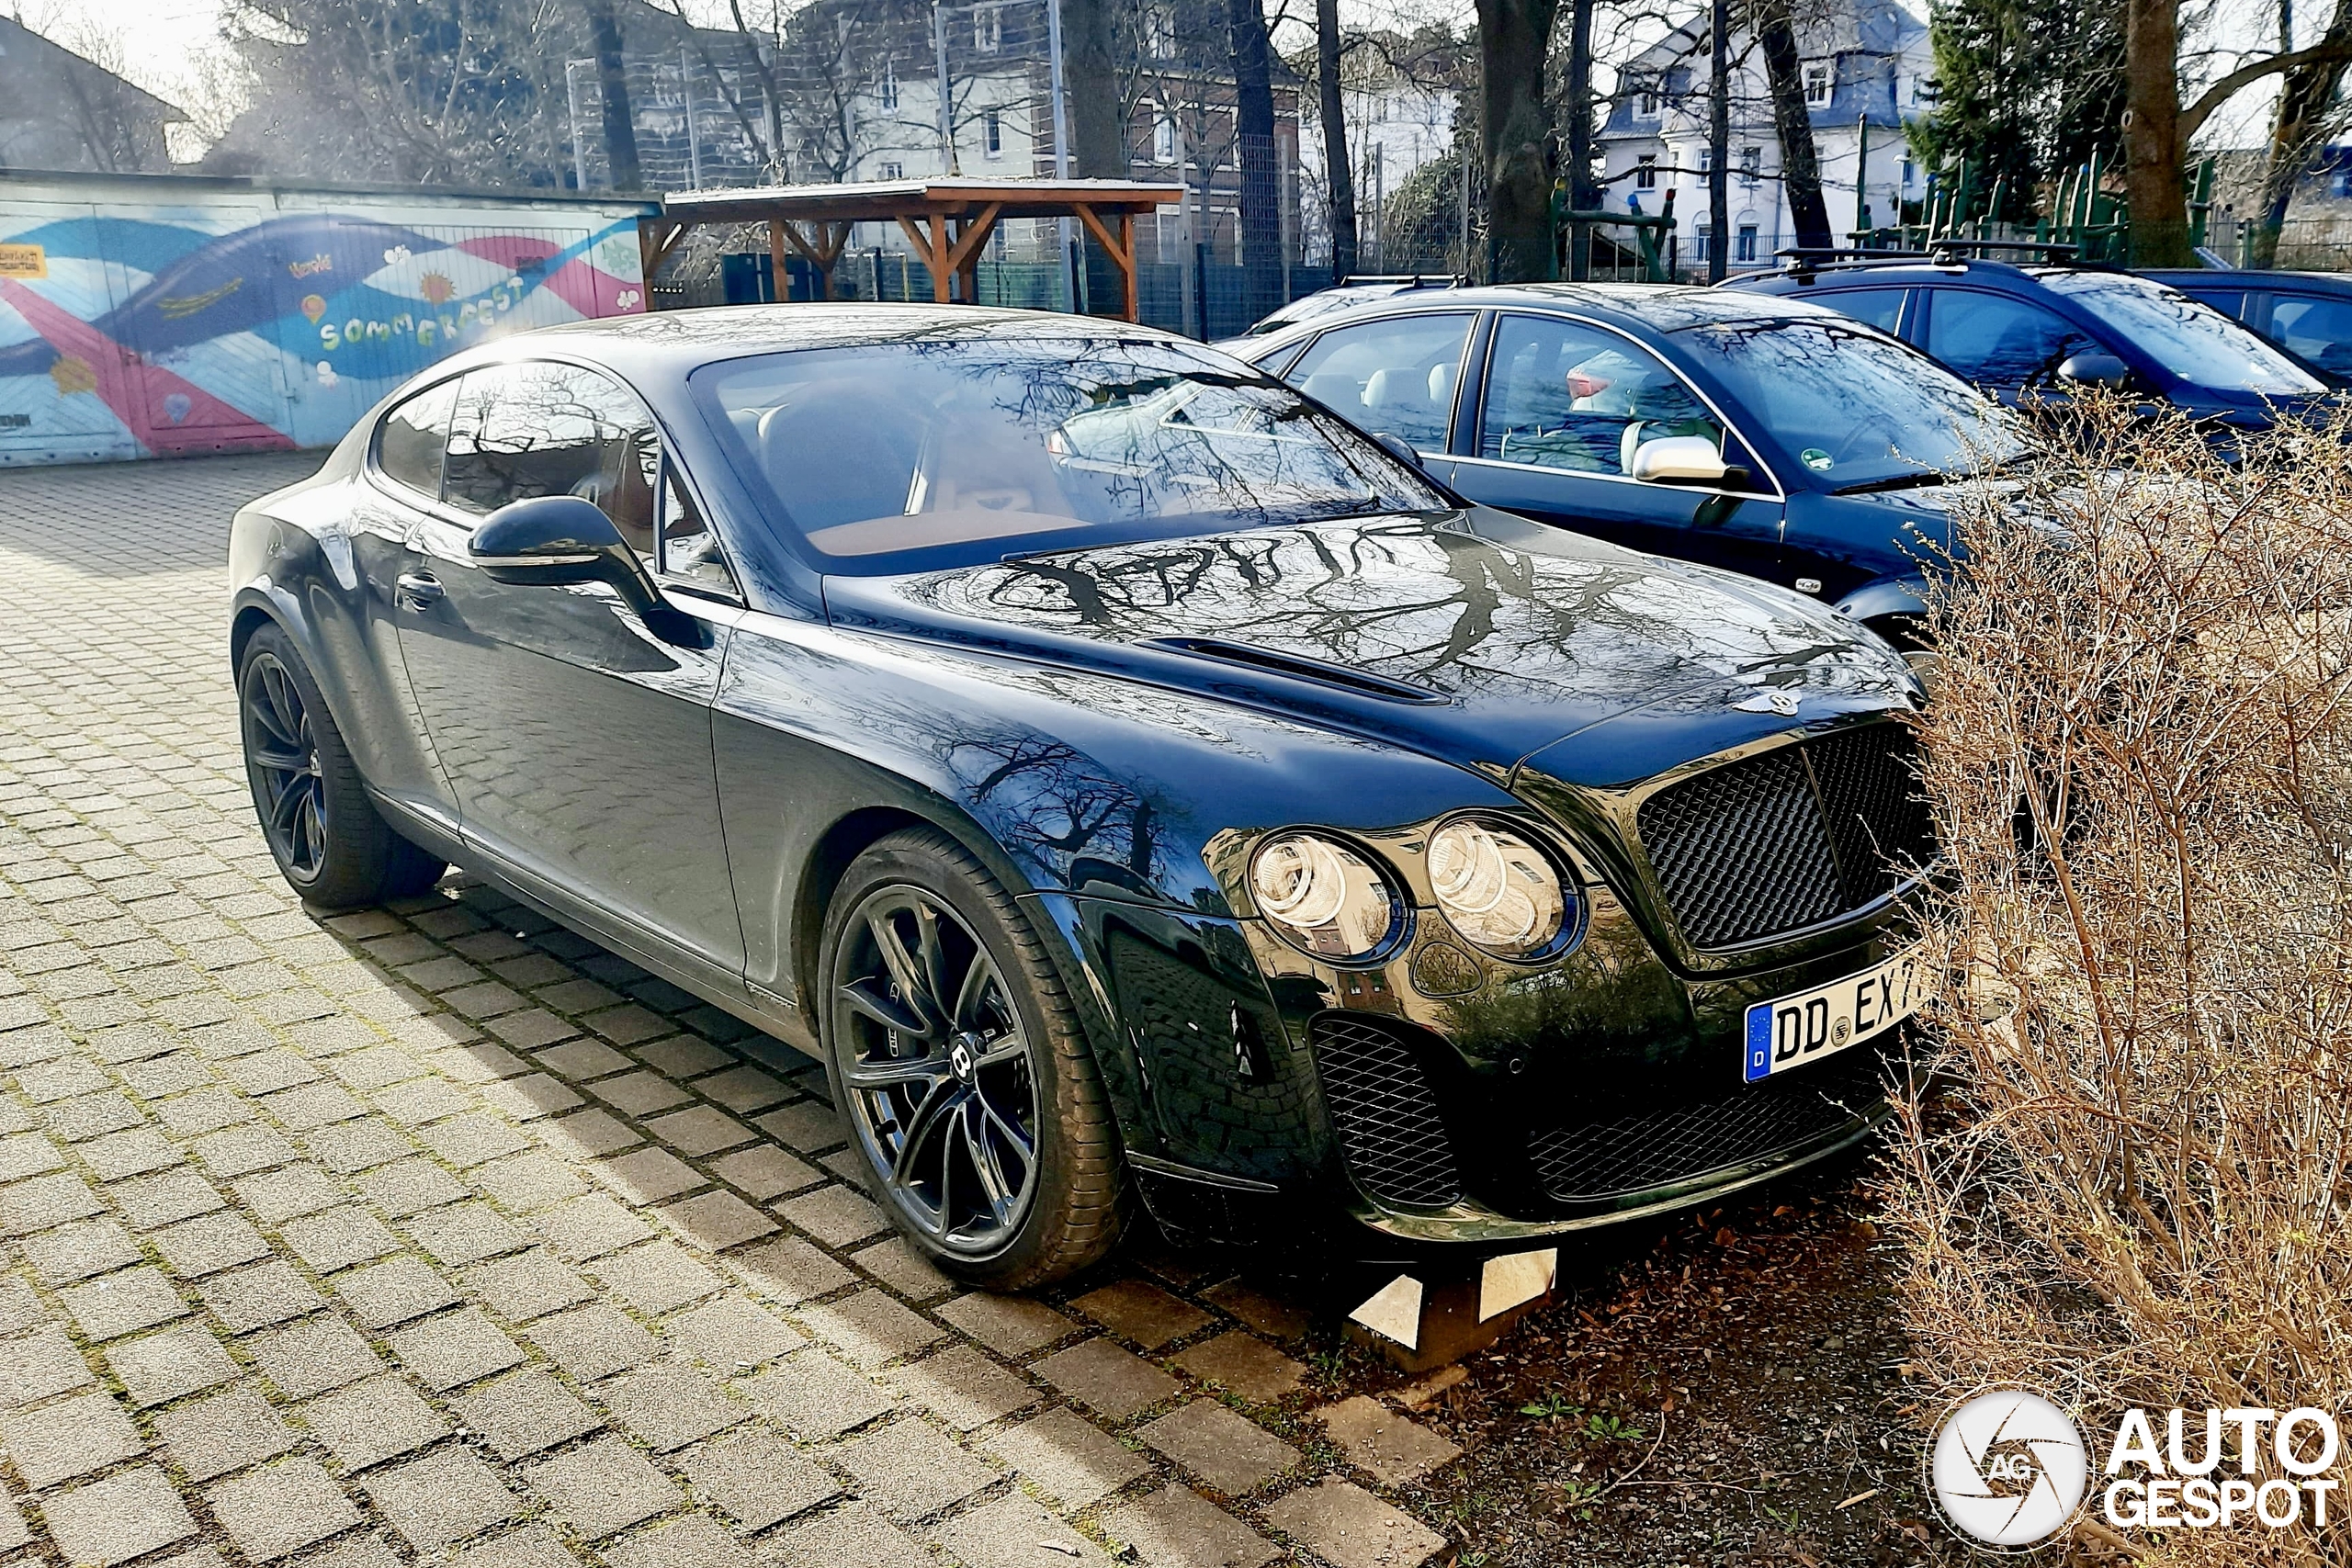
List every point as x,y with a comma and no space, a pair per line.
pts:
2026,332
1771,437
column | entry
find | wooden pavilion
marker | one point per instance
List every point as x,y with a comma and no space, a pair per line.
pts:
946,221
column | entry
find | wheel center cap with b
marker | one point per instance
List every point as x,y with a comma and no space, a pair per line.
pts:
960,1057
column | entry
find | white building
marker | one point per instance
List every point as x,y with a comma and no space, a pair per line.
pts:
1862,60
1394,126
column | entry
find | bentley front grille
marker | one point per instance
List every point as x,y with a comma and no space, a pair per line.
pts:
1790,837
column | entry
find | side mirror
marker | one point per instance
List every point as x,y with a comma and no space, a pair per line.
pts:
1399,448
2094,367
1681,459
552,540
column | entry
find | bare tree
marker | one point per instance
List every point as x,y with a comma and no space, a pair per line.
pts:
1776,36
1333,110
620,126
1515,133
2308,111
1253,86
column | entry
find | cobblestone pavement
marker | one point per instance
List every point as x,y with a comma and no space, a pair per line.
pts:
442,1234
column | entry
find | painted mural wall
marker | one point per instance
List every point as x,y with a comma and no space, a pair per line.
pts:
150,317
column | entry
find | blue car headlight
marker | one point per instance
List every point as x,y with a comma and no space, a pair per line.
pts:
1324,896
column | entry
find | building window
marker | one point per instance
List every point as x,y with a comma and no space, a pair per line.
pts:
2339,182
1646,102
1925,90
894,172
1706,161
1646,171
1751,164
1746,244
1701,240
1910,174
988,29
1820,80
890,84
1163,139
1160,36
992,134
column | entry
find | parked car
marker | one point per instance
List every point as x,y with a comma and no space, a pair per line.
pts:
2029,331
1350,293
1127,776
1771,437
2309,315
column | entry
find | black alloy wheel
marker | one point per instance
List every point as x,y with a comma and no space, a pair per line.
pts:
936,1065
282,759
332,844
961,1071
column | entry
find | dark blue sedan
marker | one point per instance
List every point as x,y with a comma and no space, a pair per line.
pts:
1771,437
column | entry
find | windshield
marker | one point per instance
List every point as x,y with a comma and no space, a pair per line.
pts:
1856,408
914,456
2193,341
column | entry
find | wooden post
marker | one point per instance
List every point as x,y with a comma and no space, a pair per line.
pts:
780,275
1121,248
965,258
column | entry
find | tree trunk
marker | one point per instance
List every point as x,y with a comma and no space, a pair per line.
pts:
620,126
1719,143
1098,133
1515,136
1583,194
1792,122
2153,153
1262,214
1336,171
2297,127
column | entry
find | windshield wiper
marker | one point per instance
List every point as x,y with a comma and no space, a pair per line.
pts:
1916,478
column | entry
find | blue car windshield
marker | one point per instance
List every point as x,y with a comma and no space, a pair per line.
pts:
2193,341
1854,407
912,456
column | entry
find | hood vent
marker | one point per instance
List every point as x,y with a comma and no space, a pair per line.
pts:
1298,667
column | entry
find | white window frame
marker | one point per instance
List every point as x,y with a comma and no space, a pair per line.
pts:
889,87
1646,171
893,170
1821,75
992,133
987,30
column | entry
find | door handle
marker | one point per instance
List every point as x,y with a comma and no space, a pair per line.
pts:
418,590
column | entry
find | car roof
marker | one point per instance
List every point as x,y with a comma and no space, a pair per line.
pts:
1662,307
675,342
2250,277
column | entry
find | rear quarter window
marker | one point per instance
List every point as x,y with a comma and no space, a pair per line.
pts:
411,441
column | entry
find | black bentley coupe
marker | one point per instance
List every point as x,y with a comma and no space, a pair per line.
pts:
1131,781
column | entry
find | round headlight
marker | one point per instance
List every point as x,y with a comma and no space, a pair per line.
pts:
1324,896
1497,889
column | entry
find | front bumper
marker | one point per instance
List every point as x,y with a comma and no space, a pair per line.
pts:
1435,1101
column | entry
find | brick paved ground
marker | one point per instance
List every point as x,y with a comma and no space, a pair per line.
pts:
443,1235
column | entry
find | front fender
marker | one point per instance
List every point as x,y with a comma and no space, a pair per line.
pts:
1886,596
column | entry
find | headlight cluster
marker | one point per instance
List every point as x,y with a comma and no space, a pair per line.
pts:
1324,895
1497,889
1494,885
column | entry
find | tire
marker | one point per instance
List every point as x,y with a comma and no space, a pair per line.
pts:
940,1135
330,844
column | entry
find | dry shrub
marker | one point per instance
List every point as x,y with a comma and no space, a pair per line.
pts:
2140,755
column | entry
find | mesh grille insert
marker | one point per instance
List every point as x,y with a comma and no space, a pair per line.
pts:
1385,1109
1789,838
1652,1148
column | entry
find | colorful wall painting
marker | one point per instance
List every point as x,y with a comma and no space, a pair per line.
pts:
157,316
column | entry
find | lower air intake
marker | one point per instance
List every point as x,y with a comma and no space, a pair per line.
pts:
1385,1109
1657,1148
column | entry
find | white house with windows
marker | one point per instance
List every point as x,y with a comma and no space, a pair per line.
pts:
1861,60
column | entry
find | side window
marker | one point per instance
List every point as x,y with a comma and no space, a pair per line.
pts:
1395,377
410,441
1996,340
529,430
2319,330
1879,307
689,549
1564,395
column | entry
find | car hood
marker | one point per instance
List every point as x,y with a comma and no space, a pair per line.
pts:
1472,636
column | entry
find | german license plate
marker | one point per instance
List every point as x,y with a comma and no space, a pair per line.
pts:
1794,1031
